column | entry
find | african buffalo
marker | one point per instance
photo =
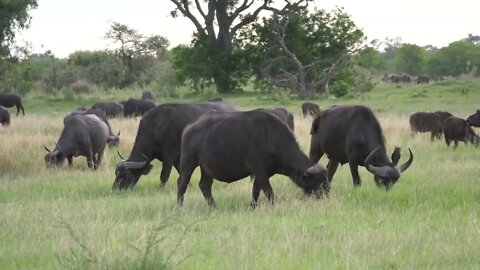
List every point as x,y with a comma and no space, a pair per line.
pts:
82,135
158,137
111,109
456,129
215,99
474,119
283,115
4,116
147,94
309,108
230,146
137,107
427,122
112,140
11,99
352,133
422,79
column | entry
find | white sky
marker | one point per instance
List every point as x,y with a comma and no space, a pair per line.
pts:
65,26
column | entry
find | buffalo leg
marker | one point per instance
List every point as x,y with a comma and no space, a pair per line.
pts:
205,185
183,181
356,177
70,160
331,169
261,183
165,174
99,160
95,161
255,194
90,162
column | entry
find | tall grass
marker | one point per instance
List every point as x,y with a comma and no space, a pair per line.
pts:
70,217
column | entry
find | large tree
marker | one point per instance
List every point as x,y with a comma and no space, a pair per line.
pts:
218,22
13,16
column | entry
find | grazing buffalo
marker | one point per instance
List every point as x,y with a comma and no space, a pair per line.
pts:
112,140
309,108
111,109
427,122
456,129
443,115
11,99
474,119
230,146
352,133
283,115
137,107
147,94
82,135
422,79
158,137
4,116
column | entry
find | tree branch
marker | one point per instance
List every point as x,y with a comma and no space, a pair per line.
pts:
183,7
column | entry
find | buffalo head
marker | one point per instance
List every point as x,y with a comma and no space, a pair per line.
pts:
55,157
128,172
388,174
113,140
314,181
474,119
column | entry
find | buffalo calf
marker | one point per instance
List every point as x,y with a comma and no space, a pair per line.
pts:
4,116
456,129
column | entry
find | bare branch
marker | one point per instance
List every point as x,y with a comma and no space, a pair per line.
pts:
184,8
199,8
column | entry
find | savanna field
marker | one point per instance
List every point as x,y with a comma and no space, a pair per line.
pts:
69,218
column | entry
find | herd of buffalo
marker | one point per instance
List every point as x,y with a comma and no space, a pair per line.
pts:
228,144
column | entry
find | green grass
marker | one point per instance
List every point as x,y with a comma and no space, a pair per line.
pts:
70,218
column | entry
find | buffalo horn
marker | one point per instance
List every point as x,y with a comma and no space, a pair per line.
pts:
118,135
315,169
369,157
384,171
46,148
407,164
120,155
134,164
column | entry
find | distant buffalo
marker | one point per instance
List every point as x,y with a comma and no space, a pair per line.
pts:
4,116
111,109
428,122
215,99
456,129
309,108
147,94
82,135
422,79
137,107
11,99
283,115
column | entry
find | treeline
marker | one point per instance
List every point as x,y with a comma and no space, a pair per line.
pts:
304,52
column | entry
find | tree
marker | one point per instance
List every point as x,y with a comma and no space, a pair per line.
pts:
136,51
304,51
459,57
218,22
410,59
13,16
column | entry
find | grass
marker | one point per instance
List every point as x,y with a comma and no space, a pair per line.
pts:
70,218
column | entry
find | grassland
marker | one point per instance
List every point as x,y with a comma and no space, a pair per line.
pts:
69,218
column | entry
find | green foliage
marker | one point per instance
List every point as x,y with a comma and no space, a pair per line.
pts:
19,77
371,59
410,59
340,88
13,16
457,58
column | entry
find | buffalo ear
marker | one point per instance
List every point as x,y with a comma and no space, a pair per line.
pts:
315,123
146,169
396,155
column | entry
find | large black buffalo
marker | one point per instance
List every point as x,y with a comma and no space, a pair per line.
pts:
112,140
283,115
158,137
428,122
11,99
137,107
474,119
82,135
4,116
111,109
456,129
230,146
309,108
352,134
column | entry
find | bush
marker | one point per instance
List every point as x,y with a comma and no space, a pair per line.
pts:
340,88
82,87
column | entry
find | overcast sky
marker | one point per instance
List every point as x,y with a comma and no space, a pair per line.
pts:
65,26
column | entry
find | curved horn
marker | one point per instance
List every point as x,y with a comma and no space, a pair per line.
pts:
384,171
369,157
315,169
134,164
407,164
120,155
118,135
145,157
46,148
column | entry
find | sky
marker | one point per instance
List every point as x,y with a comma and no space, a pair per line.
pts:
66,26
